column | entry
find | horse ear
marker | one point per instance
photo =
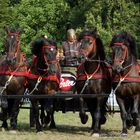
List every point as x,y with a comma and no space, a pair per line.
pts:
95,31
20,30
7,29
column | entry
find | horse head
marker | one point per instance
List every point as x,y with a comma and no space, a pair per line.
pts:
124,51
49,51
12,45
91,45
46,50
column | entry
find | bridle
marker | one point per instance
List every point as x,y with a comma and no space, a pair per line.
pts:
48,61
45,75
14,53
92,48
125,54
124,57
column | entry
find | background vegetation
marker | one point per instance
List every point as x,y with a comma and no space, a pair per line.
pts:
52,18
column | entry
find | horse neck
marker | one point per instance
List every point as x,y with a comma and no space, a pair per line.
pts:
19,57
92,65
2,59
38,66
54,69
131,60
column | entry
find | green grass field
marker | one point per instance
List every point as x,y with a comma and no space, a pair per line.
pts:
69,127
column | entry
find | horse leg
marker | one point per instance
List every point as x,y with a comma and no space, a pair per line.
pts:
137,129
4,102
14,114
96,126
123,115
52,122
129,121
4,115
6,111
50,113
135,114
42,116
82,113
32,118
36,114
4,118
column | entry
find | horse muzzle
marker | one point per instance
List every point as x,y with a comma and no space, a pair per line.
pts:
11,60
117,68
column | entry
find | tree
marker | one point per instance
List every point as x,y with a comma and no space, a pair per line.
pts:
109,16
39,17
5,19
51,17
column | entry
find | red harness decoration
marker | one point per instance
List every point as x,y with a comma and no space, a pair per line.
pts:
82,75
126,78
49,77
6,70
36,76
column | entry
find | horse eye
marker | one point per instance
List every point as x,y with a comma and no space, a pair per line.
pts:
90,42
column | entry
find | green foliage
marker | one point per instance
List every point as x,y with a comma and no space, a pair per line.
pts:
40,17
50,17
110,17
5,19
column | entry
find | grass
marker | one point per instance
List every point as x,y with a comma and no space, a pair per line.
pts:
69,127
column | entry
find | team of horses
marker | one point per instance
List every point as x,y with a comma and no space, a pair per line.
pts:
95,76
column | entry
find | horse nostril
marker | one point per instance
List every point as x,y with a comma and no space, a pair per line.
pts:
81,58
8,59
14,59
11,60
118,69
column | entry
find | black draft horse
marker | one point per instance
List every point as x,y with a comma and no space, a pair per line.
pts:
12,77
126,81
43,79
93,77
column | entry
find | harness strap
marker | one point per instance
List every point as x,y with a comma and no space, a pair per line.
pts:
36,85
88,77
6,84
50,77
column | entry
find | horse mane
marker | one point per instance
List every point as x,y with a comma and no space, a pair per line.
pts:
99,44
127,39
39,43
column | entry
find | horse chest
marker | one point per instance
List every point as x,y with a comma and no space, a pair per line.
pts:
128,89
16,83
93,86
